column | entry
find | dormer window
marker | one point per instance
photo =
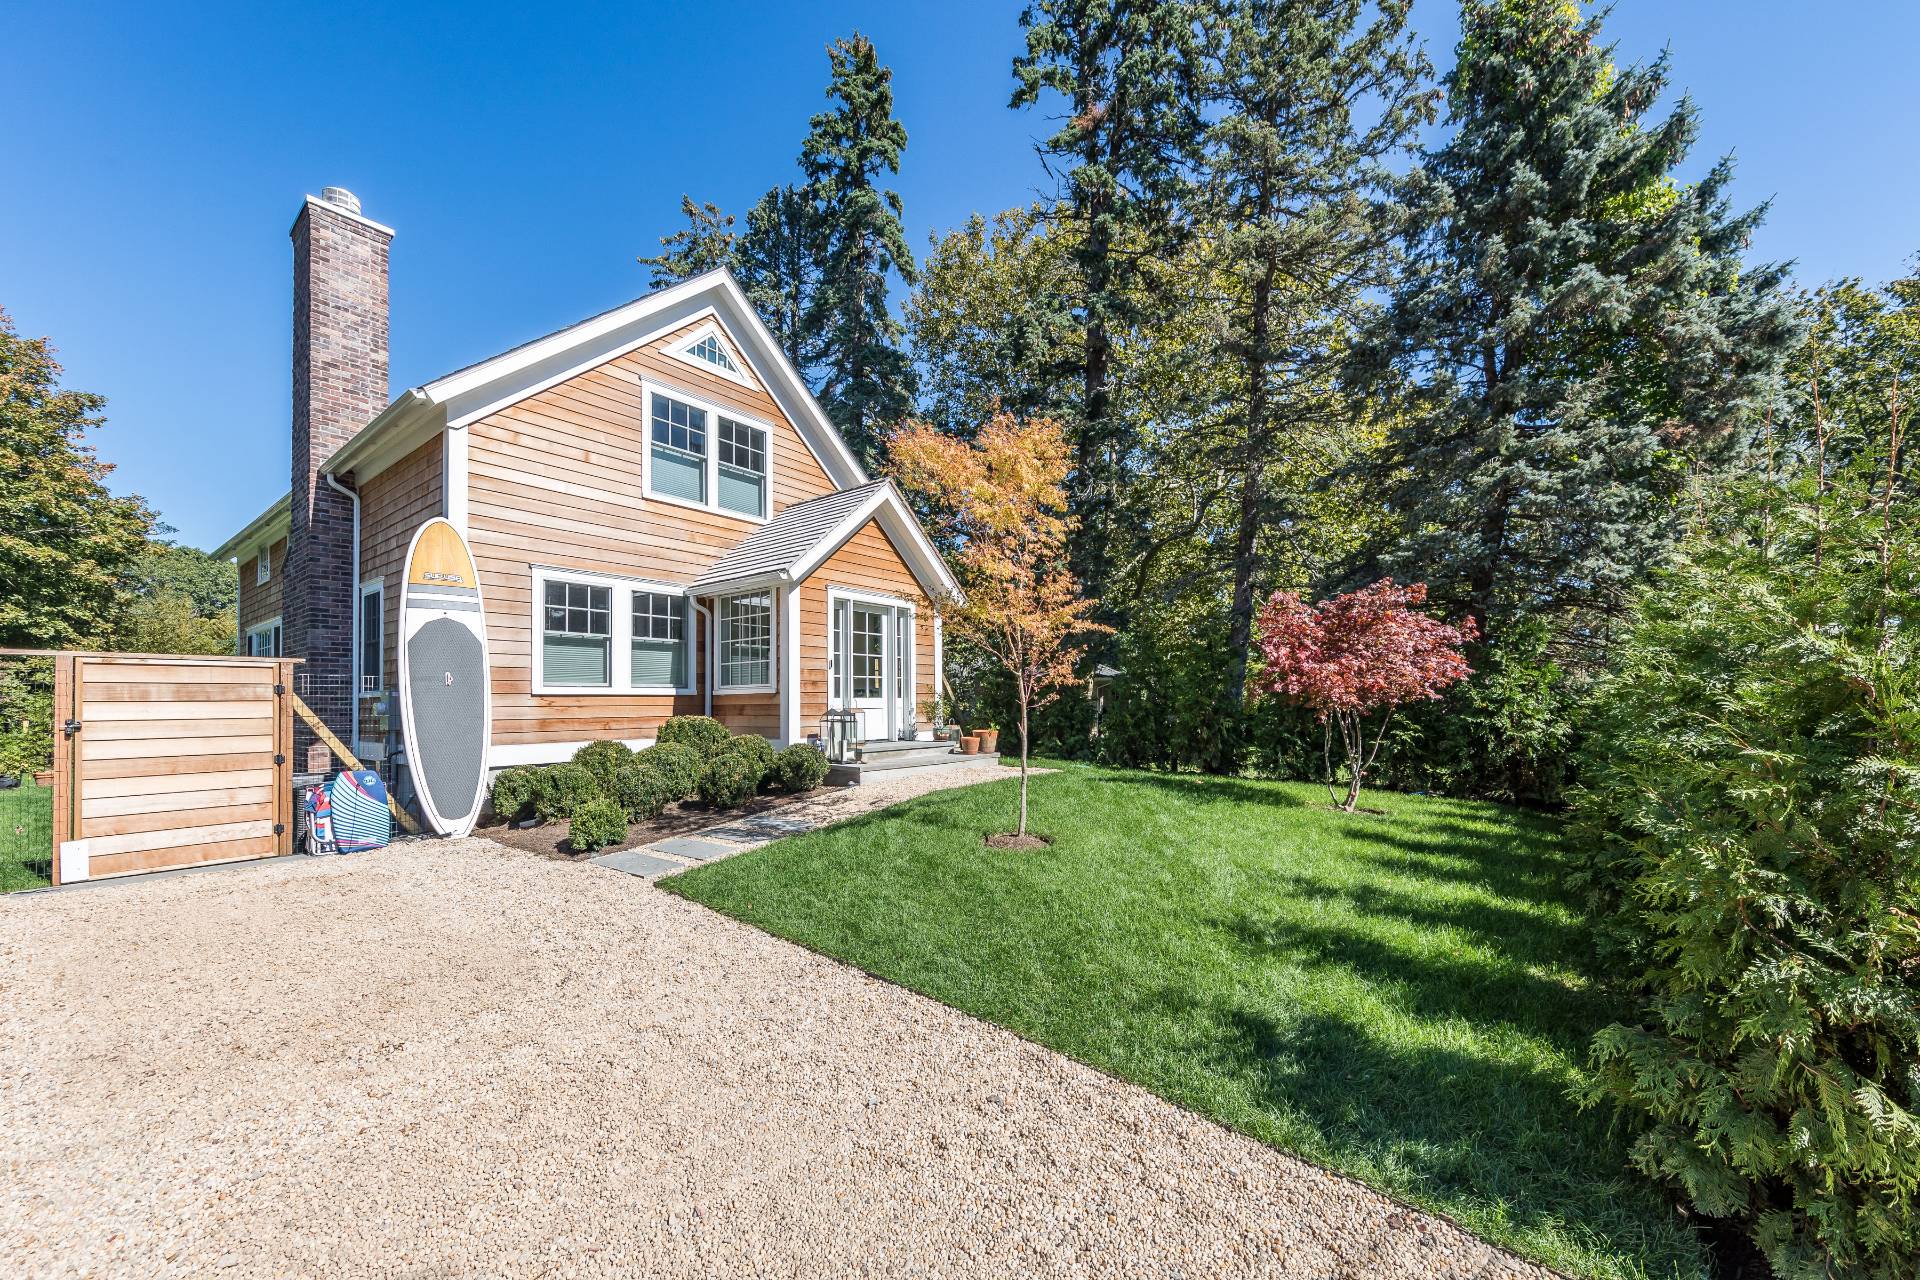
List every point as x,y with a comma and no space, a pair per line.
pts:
710,350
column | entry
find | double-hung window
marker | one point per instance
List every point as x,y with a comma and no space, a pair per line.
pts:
659,640
746,641
743,468
679,459
705,456
576,642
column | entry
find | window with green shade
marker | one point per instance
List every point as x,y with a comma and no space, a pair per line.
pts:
679,458
576,640
743,468
659,640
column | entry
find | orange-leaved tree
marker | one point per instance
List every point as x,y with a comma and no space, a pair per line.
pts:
1000,505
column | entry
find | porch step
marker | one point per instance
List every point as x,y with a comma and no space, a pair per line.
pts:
930,755
905,755
881,747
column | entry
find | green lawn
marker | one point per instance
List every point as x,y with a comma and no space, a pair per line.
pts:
26,838
1399,997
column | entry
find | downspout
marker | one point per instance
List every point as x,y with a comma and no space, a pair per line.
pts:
353,693
707,684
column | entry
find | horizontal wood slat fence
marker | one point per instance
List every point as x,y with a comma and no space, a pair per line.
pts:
164,761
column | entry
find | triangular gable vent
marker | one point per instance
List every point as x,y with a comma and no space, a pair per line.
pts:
710,350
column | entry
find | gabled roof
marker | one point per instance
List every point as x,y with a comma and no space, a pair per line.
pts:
269,526
471,393
789,547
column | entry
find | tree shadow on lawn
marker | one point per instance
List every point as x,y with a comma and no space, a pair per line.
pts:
1210,789
1484,987
1483,1138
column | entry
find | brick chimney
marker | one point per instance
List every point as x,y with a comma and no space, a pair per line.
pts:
339,384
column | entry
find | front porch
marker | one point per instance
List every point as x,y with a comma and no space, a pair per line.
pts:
883,759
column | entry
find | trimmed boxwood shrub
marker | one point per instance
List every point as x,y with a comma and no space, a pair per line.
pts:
800,767
597,823
514,791
703,733
642,790
604,760
678,766
729,779
561,789
758,752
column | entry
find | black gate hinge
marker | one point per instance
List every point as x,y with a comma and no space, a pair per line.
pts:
279,828
278,759
70,728
279,691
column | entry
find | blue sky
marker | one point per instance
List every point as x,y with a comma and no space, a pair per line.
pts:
526,154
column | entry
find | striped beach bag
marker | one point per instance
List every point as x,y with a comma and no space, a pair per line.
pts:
360,818
319,821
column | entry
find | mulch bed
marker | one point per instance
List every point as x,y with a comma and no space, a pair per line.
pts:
684,818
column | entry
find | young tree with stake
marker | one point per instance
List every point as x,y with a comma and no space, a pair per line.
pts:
1355,654
1000,504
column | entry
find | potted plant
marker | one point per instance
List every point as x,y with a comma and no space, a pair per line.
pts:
969,744
989,739
935,710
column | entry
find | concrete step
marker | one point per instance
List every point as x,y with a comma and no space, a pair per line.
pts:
918,754
890,762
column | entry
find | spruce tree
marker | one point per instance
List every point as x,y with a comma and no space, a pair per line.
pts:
865,379
775,265
1583,331
705,243
1310,103
1126,72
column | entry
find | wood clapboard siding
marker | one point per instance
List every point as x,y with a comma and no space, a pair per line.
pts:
393,505
867,562
177,761
556,480
260,602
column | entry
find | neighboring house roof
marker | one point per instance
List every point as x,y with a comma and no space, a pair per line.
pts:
264,529
797,541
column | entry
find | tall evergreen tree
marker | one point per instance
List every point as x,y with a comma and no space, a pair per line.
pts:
1584,331
865,379
706,242
774,261
1310,102
1126,72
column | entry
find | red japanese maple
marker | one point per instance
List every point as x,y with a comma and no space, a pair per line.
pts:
1355,654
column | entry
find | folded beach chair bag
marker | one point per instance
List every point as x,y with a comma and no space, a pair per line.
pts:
360,818
319,821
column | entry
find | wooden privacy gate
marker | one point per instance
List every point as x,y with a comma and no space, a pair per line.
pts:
169,761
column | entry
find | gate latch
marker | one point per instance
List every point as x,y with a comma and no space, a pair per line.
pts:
70,728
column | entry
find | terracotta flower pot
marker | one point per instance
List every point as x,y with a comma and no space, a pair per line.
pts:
969,744
989,740
44,778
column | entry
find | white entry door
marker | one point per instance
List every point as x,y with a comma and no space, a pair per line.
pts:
872,663
869,671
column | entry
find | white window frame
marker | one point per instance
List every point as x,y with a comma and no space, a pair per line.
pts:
270,628
683,352
718,661
714,411
376,588
263,567
620,634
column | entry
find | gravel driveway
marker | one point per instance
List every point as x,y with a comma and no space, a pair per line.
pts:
451,1059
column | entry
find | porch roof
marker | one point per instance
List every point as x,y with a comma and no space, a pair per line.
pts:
799,539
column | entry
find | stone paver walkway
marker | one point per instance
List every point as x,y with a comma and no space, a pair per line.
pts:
737,835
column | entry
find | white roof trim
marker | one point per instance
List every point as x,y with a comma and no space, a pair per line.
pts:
492,385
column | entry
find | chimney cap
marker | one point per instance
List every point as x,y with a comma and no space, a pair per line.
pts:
342,197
